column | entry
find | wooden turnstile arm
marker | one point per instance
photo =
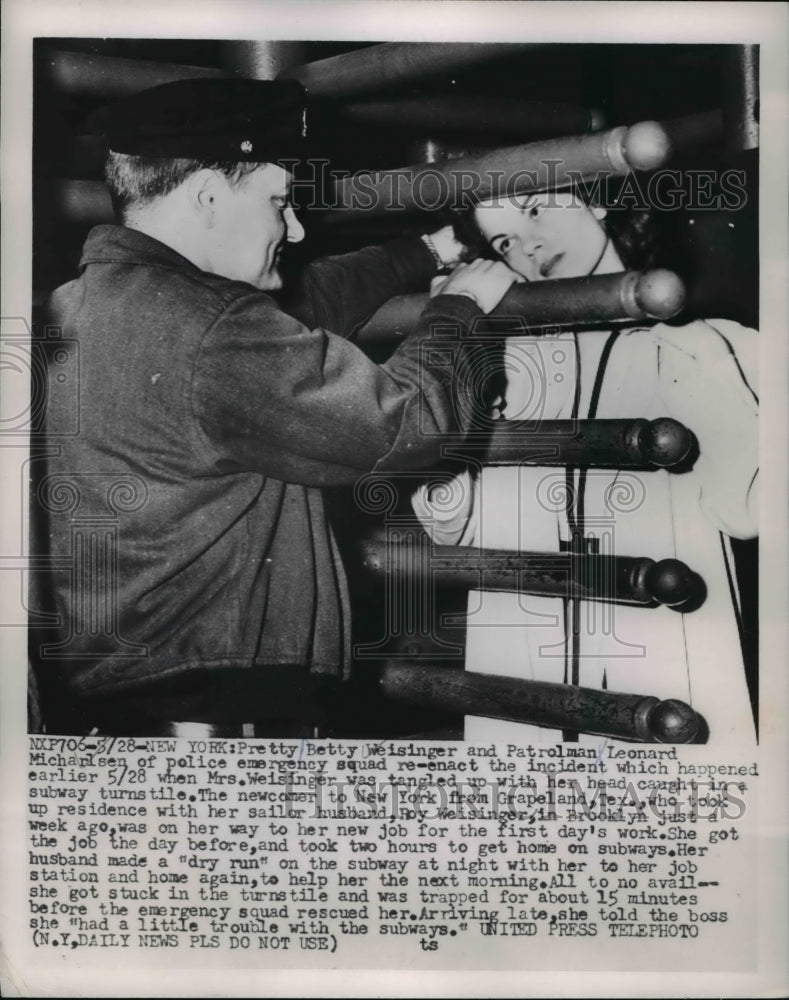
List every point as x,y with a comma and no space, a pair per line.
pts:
560,706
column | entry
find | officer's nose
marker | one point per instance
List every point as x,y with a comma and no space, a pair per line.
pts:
293,228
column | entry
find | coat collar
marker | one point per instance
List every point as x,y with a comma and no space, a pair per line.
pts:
119,244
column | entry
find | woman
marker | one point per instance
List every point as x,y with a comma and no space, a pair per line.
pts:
702,374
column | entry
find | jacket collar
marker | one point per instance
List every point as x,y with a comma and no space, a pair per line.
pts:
119,244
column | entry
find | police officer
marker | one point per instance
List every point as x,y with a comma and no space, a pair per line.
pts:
201,580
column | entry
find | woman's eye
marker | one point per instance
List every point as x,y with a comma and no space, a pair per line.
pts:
534,211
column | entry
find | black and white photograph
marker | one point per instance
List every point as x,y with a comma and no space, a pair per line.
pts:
239,575
395,547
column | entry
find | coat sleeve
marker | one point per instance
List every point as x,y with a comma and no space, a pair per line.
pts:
308,407
341,293
708,373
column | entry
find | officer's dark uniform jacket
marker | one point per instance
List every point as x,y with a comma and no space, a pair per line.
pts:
187,512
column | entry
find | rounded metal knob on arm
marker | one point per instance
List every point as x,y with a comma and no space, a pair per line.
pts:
646,146
664,442
660,293
672,583
672,721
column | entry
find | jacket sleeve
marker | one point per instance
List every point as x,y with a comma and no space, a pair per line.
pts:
341,293
708,374
306,406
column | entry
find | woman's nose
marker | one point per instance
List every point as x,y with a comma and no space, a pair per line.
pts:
294,229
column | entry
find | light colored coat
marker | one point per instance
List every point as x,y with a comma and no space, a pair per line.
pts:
703,374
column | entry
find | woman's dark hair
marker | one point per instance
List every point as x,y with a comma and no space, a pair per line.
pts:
642,237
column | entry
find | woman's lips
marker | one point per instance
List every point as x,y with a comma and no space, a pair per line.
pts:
549,266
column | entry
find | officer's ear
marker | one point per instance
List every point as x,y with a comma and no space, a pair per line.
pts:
203,192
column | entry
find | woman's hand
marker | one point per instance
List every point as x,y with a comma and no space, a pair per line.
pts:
485,281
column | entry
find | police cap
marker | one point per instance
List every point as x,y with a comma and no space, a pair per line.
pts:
214,119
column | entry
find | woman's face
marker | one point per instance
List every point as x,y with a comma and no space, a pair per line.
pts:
546,235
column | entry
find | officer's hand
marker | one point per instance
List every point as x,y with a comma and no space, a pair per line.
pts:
485,281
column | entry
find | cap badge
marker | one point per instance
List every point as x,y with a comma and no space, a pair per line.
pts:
246,146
